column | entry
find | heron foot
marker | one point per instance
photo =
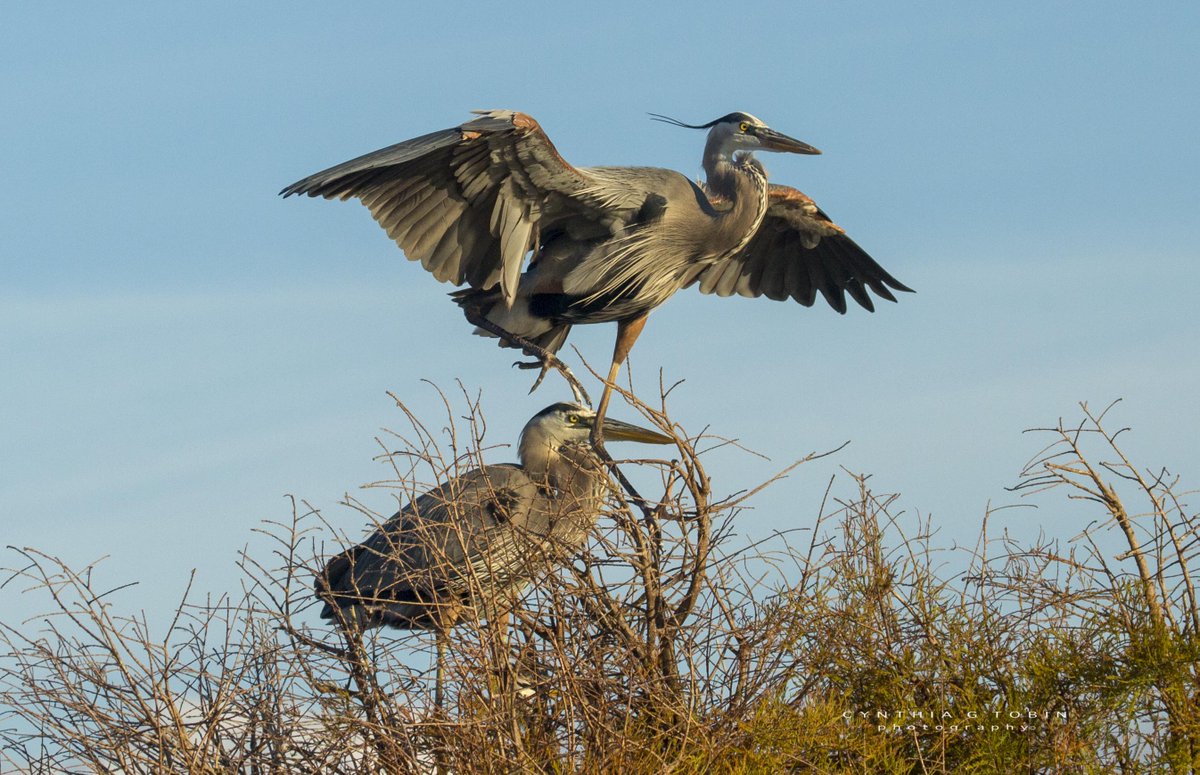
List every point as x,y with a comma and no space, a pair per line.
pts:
545,367
546,360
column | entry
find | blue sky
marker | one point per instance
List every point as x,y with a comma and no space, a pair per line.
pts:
181,348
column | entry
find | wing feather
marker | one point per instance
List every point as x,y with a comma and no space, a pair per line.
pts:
470,531
773,275
848,271
422,216
510,222
447,251
800,285
727,281
799,252
493,184
474,242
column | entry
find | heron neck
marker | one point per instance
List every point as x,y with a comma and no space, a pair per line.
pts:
717,161
743,183
568,468
576,477
576,470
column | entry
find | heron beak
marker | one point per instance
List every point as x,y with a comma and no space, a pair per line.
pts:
615,430
777,141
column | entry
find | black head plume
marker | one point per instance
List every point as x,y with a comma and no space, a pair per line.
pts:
730,118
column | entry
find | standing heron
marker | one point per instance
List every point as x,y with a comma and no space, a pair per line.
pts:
608,243
478,536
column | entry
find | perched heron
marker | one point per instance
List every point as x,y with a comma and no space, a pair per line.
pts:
481,534
608,243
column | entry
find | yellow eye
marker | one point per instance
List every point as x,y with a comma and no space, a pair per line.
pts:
745,127
573,419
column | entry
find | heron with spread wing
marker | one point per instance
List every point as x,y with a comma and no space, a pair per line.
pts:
604,244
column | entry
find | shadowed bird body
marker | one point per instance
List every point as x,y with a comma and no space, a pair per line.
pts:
605,243
484,533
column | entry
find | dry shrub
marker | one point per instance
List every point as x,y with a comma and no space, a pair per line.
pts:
669,645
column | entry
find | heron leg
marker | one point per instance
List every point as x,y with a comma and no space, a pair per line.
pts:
502,646
546,360
439,672
501,627
439,677
627,333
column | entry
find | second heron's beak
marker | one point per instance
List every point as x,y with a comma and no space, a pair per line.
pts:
615,430
777,141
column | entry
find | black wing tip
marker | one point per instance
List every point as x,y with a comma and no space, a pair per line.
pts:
847,247
835,297
297,188
312,186
884,290
880,289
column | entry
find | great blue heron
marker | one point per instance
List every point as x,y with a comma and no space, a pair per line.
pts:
482,533
472,540
608,243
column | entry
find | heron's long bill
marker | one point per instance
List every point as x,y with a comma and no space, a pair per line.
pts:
615,430
777,141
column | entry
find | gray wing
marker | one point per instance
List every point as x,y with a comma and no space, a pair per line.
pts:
797,252
470,202
465,533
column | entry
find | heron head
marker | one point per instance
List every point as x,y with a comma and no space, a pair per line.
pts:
743,132
567,424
